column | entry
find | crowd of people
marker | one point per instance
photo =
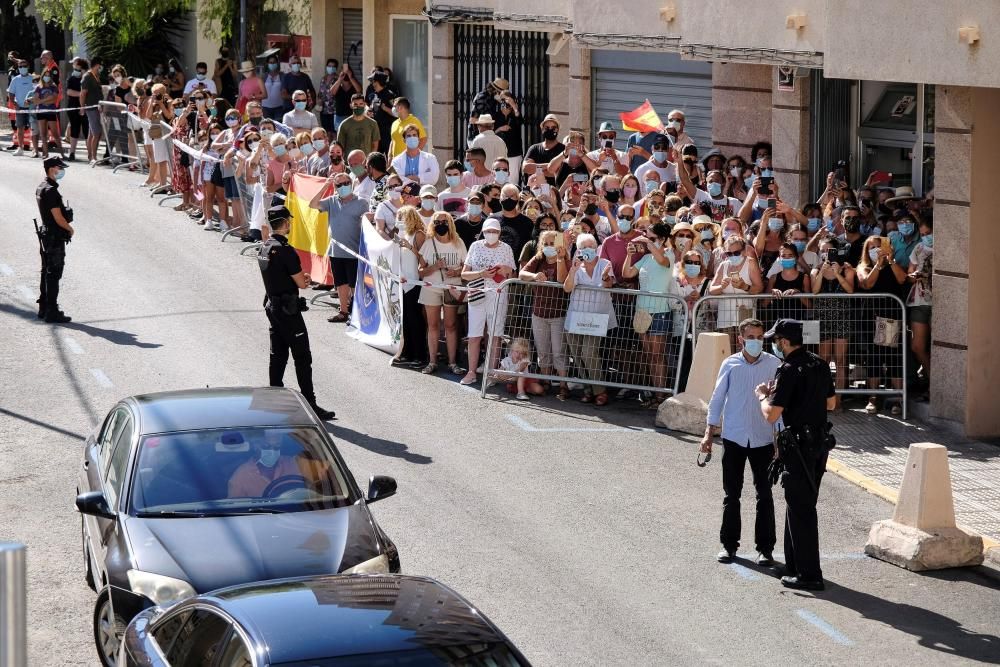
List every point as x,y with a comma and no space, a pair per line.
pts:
580,222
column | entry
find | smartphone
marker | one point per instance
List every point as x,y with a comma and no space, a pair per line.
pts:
580,178
879,177
772,203
578,229
560,240
608,143
765,184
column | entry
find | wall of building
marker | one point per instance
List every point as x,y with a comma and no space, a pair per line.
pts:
741,106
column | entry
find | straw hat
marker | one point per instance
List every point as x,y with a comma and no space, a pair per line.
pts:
903,193
682,227
703,221
485,119
501,84
247,66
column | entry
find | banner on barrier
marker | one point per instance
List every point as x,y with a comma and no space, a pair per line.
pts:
377,316
310,232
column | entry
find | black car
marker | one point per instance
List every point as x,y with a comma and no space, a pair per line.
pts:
190,491
342,621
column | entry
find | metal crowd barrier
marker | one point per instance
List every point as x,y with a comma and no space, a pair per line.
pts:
862,335
13,606
640,346
247,190
119,135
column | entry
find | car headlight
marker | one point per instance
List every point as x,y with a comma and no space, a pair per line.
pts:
158,588
377,565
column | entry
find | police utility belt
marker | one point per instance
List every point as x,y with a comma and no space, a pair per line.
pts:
806,437
286,304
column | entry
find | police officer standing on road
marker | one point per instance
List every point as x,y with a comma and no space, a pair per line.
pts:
283,278
800,396
55,233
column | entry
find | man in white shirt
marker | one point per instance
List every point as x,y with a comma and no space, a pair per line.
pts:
660,162
454,198
298,118
492,145
675,128
363,185
414,164
719,206
200,81
605,155
746,435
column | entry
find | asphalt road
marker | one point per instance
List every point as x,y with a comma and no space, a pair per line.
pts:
585,534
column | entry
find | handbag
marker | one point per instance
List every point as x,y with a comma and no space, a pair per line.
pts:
887,331
475,292
155,127
641,321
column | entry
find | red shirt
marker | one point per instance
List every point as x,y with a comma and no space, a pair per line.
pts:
615,248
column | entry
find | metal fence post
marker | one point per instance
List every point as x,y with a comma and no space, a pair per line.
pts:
13,606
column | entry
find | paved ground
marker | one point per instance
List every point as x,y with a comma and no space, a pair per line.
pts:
584,534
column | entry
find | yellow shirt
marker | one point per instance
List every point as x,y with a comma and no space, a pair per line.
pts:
398,145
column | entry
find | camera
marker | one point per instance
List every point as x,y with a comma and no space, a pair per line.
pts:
609,143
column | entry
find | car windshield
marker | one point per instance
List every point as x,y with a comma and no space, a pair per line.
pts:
470,655
237,471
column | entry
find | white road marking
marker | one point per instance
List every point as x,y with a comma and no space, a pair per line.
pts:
101,378
824,627
524,425
744,572
6,270
73,346
26,293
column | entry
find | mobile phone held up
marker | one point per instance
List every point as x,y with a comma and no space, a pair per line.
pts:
772,203
765,184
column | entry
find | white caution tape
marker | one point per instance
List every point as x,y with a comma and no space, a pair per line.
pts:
4,110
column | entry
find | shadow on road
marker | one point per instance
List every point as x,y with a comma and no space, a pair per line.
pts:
931,630
45,425
110,335
377,445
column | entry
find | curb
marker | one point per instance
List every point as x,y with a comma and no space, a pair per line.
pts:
991,547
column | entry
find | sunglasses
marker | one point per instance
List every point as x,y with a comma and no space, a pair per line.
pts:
630,218
734,253
692,263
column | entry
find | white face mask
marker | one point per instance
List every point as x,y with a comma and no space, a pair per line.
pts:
269,457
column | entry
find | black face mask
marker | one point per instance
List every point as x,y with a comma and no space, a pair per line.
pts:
550,135
336,159
441,228
256,120
508,204
852,226
590,210
612,196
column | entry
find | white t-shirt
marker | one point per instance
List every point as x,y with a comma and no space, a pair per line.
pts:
482,257
363,189
453,253
207,84
811,258
300,120
453,201
725,207
667,174
603,227
607,162
386,212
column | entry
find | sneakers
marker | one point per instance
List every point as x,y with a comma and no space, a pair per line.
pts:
725,556
523,397
19,151
801,584
871,408
209,226
323,414
765,560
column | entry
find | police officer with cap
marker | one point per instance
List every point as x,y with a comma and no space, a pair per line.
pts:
283,278
53,236
801,395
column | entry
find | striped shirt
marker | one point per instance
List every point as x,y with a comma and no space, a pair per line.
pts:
734,402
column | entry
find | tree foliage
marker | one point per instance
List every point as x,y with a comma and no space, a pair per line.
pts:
18,32
142,53
131,20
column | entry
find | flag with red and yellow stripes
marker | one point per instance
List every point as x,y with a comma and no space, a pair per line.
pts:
641,119
310,232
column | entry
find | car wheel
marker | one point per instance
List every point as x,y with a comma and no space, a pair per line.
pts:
109,628
89,576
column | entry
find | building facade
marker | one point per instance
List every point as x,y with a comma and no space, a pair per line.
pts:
905,86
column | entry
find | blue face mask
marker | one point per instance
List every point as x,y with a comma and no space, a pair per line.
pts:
412,142
715,189
671,220
453,180
651,185
777,351
475,209
588,254
501,176
813,224
753,346
800,246
549,250
427,204
748,182
787,262
319,144
692,270
707,235
344,190
660,156
296,67
60,174
775,224
565,224
927,240
22,70
767,173
273,67
829,224
468,165
269,457
624,226
906,228
307,149
300,106
330,69
280,150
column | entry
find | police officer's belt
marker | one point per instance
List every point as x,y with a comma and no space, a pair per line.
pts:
286,304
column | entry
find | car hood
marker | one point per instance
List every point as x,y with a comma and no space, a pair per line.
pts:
212,552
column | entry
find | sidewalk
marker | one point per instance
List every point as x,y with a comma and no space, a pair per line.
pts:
871,452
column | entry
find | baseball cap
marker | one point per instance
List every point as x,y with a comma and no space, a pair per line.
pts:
53,162
428,191
491,224
411,189
606,126
476,196
661,140
790,329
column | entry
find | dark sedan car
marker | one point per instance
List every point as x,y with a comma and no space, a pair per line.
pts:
342,621
191,491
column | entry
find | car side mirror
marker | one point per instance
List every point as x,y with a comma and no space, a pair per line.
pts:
380,486
95,504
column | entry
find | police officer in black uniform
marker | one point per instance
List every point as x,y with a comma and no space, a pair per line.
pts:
800,396
53,236
283,278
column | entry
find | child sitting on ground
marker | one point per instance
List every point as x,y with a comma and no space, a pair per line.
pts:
517,361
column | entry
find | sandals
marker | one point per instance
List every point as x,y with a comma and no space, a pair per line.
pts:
601,399
339,317
456,369
563,393
429,369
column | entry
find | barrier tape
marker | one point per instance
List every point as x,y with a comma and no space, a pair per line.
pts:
57,110
196,154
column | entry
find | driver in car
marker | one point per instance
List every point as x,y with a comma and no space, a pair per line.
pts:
253,477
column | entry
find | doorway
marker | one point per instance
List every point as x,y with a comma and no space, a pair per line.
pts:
409,55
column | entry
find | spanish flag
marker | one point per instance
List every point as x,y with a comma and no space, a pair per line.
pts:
310,232
641,119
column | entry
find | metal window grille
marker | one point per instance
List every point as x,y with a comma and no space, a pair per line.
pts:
482,54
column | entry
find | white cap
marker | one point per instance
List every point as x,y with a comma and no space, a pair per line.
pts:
491,224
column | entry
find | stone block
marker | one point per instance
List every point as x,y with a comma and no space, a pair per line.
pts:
919,550
790,134
950,315
684,413
953,107
738,75
948,390
740,117
953,177
709,353
951,247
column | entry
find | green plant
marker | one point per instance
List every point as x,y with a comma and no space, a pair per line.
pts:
131,20
18,32
139,54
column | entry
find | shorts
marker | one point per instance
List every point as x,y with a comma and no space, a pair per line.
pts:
229,183
94,120
47,115
22,120
920,314
661,325
216,177
345,271
484,313
436,296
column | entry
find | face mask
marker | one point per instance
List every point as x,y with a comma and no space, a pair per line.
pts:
682,243
767,173
630,191
541,191
735,172
501,176
753,347
250,144
77,73
441,228
395,195
307,149
158,70
873,254
344,191
300,106
671,220
269,457
715,189
532,213
549,250
829,224
613,196
280,150
198,103
256,120
395,112
777,351
707,235
467,165
650,186
319,144
173,70
692,270
508,204
272,67
775,224
813,224
296,67
800,246
590,210
726,233
294,153
906,228
48,78
358,111
550,135
674,125
624,226
427,204
748,182
22,70
200,76
659,156
412,142
852,226
213,112
330,69
475,209
491,237
588,254
927,240
787,262
60,174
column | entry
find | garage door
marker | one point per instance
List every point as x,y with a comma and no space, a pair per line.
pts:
621,80
353,35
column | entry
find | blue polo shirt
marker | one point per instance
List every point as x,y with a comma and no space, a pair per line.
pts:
20,87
